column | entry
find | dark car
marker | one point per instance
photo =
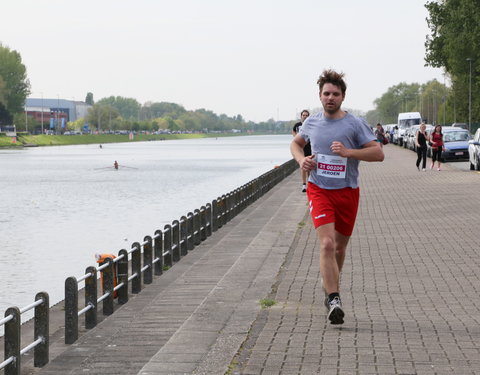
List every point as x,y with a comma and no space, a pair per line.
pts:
455,142
474,151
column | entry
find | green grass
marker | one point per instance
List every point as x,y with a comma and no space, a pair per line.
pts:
7,142
60,140
231,367
265,303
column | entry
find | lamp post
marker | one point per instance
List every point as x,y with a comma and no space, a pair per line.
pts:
57,125
470,96
444,99
26,119
42,112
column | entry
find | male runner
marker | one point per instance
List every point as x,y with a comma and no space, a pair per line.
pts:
339,141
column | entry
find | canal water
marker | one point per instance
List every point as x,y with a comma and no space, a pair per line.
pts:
61,205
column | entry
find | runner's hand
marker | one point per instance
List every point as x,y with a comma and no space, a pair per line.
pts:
339,149
308,163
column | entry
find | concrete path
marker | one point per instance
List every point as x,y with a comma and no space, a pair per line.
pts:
410,289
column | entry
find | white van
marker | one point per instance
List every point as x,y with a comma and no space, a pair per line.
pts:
405,121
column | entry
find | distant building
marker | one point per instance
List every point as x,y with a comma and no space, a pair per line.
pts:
45,114
58,109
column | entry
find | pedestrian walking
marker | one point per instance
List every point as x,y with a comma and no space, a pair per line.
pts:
421,145
380,134
307,150
436,139
339,140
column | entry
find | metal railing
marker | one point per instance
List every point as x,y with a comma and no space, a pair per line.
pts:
154,255
13,322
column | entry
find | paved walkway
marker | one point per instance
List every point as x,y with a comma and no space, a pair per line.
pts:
410,289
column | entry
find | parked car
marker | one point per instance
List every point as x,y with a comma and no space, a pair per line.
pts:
455,141
460,125
409,137
411,134
405,121
474,151
388,131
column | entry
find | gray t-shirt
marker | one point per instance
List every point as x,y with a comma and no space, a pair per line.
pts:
333,171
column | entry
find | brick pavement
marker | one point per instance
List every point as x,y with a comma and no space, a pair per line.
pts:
410,288
410,285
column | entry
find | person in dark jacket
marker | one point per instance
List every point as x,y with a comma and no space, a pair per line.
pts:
421,144
306,150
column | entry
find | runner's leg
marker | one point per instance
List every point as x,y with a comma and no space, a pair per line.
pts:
328,262
341,243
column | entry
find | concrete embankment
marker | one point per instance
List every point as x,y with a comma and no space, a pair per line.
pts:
216,287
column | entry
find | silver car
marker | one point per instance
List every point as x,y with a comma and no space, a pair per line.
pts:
474,151
409,137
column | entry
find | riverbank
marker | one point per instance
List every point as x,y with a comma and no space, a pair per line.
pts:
62,140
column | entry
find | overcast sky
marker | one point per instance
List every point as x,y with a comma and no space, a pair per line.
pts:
257,58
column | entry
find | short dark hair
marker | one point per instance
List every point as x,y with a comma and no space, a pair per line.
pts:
331,76
305,110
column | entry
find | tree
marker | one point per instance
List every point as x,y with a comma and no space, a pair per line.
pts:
190,121
455,32
102,116
162,109
399,98
128,108
14,85
172,124
89,99
6,117
3,92
433,94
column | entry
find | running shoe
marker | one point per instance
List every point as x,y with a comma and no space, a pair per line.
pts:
304,188
327,305
335,314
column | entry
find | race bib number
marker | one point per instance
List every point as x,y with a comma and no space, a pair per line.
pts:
331,166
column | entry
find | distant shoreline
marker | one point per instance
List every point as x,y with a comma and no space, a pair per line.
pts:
64,140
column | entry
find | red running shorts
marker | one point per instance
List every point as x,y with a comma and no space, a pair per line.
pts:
339,206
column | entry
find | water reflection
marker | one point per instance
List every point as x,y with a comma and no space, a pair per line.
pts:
61,205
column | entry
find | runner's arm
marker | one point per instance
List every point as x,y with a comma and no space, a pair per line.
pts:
296,148
371,151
